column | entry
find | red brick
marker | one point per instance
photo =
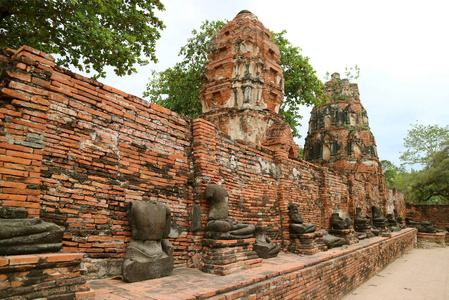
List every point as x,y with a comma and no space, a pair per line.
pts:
14,94
23,259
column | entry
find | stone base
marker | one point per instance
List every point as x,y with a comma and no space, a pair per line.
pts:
307,243
140,271
347,234
223,257
437,238
49,276
367,231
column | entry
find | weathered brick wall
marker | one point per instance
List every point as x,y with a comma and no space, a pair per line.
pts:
75,151
438,215
79,151
334,276
23,119
43,276
246,170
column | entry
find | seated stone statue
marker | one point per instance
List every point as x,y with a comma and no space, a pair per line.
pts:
19,235
332,241
397,217
423,226
149,254
393,223
378,219
297,224
361,222
263,246
220,227
338,222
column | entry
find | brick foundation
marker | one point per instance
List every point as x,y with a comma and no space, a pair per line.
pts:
438,215
325,275
437,238
46,276
223,257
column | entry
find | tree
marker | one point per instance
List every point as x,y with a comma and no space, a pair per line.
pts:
391,172
177,88
432,184
422,142
88,34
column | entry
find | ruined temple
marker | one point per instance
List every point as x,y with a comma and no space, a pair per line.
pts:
244,85
75,152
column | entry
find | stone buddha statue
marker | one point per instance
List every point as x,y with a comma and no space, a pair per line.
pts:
22,235
340,221
263,246
361,222
378,218
297,224
332,241
149,254
220,227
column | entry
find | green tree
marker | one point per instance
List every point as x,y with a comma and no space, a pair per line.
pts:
432,184
177,88
391,172
88,34
422,142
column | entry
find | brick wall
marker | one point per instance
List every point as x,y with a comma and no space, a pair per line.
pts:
43,276
74,151
438,215
331,277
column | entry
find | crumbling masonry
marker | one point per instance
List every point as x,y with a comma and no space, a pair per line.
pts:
74,151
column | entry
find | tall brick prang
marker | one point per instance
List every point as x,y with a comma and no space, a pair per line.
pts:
340,138
244,88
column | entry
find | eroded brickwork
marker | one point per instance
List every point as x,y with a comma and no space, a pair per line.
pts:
340,138
75,151
244,87
438,215
91,149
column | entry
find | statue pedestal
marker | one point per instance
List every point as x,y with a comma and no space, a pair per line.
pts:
366,230
347,234
223,257
307,243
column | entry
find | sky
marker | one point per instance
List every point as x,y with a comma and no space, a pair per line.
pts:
401,48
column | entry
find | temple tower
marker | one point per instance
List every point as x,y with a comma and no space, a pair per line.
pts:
244,87
340,138
339,135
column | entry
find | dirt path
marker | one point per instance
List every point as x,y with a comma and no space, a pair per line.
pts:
420,274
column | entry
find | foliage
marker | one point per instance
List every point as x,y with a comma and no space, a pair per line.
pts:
301,85
428,146
352,73
432,184
422,142
391,172
88,34
177,88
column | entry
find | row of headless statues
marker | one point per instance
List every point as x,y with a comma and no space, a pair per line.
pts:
150,254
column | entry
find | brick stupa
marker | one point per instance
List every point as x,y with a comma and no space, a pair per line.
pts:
339,135
244,87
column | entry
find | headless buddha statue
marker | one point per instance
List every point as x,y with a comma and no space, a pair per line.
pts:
220,227
297,224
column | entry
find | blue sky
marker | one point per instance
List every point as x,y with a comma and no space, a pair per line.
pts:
401,48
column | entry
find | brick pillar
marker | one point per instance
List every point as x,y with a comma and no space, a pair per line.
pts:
23,120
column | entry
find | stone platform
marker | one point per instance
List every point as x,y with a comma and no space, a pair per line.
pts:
324,275
437,238
43,276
